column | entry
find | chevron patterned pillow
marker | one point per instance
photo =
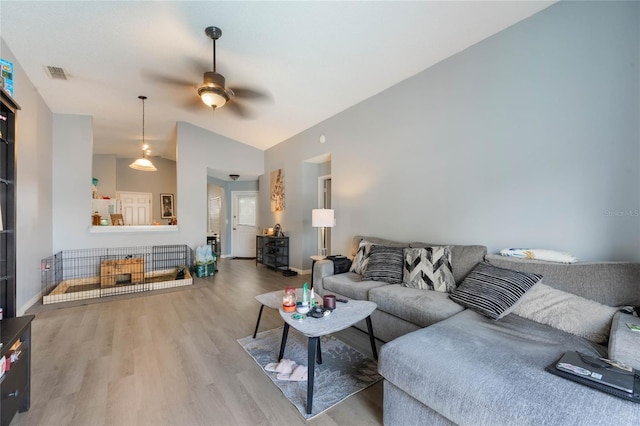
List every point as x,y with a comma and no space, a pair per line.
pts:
428,268
361,260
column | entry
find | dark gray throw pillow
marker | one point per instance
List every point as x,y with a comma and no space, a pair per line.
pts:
385,264
492,291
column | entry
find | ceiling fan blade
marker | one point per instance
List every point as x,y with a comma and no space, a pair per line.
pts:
165,79
237,109
194,104
199,66
247,93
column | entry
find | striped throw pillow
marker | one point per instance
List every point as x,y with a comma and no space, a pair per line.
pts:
491,291
385,264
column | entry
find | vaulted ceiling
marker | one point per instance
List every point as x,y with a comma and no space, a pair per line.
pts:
312,59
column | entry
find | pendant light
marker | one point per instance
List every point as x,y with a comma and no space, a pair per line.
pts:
143,164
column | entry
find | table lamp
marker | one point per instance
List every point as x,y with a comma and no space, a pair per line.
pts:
323,218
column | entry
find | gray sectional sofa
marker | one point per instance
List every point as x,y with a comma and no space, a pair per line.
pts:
444,364
400,309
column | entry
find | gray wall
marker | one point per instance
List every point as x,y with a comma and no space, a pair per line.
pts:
34,236
529,138
104,169
197,151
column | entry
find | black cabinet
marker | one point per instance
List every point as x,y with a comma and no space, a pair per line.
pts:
273,252
8,110
15,384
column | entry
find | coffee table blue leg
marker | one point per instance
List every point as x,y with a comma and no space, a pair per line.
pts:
258,322
372,339
285,333
313,345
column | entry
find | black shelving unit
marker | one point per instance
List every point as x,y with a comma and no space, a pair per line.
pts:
15,384
8,109
273,252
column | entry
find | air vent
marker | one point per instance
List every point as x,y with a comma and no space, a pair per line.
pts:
56,73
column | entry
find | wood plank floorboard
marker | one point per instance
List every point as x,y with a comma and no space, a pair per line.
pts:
171,357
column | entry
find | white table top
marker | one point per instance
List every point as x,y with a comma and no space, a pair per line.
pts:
344,316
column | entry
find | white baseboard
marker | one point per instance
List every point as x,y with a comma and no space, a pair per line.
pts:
35,299
301,271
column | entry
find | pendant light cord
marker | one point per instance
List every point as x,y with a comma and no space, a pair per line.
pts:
143,140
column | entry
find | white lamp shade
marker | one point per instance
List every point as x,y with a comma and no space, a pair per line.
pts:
143,165
322,217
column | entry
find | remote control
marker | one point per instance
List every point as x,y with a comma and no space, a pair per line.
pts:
342,300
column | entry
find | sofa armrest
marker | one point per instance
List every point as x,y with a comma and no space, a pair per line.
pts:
322,268
624,342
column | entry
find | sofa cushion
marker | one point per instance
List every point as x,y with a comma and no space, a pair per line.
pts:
385,264
624,342
350,285
567,312
609,283
421,307
493,291
476,371
428,268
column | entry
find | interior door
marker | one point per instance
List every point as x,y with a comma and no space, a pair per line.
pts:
136,207
244,213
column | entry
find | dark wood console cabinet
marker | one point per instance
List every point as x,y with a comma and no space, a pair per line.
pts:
273,252
15,384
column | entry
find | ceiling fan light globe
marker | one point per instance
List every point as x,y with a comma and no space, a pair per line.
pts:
143,164
213,96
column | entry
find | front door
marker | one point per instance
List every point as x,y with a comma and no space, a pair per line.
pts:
136,207
244,213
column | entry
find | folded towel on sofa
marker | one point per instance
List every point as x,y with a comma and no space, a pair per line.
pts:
540,254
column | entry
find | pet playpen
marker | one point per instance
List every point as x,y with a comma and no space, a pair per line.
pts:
90,273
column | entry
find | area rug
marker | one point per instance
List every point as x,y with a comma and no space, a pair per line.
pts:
344,371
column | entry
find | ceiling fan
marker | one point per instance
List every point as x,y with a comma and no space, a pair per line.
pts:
213,91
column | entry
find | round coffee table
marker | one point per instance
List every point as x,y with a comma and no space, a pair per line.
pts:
344,316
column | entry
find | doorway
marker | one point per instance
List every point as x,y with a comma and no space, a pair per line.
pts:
324,202
244,214
136,207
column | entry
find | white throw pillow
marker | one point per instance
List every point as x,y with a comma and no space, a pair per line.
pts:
567,312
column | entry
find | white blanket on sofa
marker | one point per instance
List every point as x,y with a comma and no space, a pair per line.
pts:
540,254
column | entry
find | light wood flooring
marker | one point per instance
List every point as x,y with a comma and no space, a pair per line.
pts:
171,358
